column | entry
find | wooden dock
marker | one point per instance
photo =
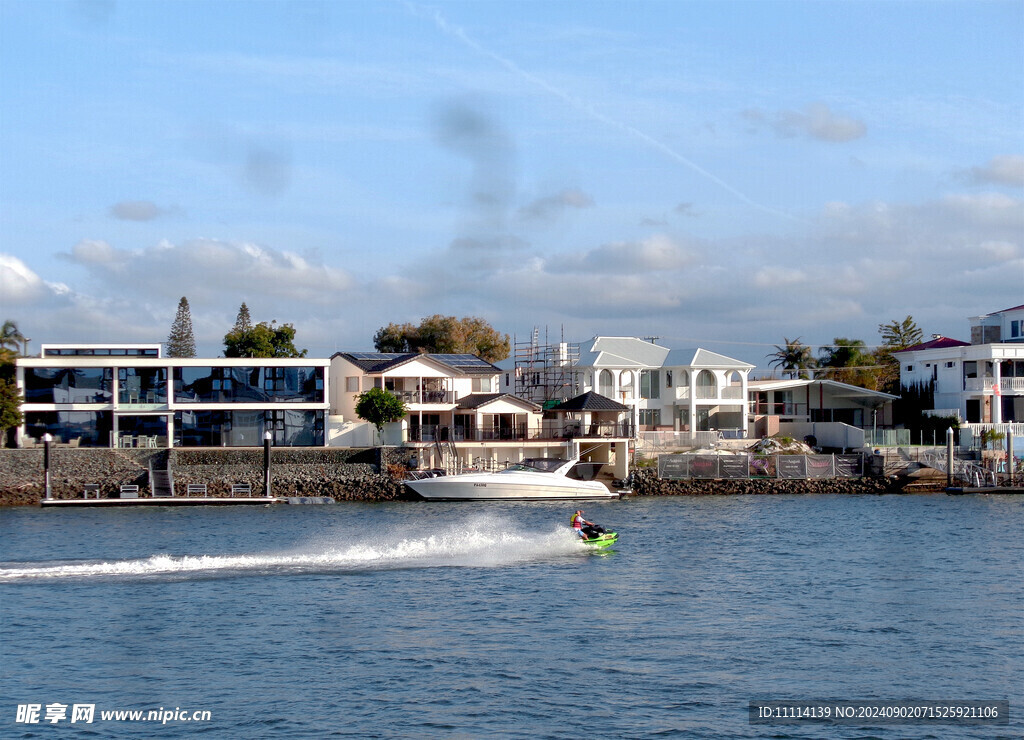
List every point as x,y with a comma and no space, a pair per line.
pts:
983,489
163,501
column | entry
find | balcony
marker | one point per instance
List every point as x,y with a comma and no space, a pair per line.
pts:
1013,386
778,409
425,397
444,433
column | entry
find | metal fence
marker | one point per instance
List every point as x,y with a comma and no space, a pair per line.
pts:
741,467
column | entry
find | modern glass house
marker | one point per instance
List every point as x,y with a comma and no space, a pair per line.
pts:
129,395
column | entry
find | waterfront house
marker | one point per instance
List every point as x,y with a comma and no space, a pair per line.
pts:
130,395
458,417
981,381
828,410
662,389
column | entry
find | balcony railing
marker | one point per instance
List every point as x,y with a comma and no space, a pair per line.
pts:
442,433
425,397
778,409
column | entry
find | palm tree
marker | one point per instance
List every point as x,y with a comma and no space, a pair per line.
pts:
794,358
11,336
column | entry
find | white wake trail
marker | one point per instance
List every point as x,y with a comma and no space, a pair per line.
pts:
468,548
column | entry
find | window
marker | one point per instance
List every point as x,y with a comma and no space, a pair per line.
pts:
650,384
650,417
607,383
707,387
668,378
352,384
626,384
910,368
950,364
483,385
1016,328
69,384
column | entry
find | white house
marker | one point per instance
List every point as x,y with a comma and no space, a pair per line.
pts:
664,389
457,415
775,404
982,381
130,395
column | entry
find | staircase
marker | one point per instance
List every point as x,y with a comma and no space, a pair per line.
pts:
448,456
967,473
161,479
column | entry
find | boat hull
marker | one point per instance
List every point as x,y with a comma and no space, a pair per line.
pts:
480,488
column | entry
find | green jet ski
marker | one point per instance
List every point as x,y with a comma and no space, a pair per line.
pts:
598,537
600,541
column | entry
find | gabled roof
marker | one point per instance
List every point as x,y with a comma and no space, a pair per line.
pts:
590,401
702,358
622,352
844,389
479,400
939,343
628,352
379,362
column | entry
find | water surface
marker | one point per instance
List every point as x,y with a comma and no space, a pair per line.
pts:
489,620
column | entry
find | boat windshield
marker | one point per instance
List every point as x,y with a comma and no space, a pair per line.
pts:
538,465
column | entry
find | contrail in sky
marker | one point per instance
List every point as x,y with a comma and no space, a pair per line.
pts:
575,102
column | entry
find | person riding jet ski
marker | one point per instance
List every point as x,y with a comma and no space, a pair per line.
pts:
584,529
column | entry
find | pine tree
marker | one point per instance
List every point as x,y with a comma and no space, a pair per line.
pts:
243,322
181,342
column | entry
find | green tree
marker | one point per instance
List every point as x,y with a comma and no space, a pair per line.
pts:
262,340
10,408
794,358
896,335
11,340
397,338
440,334
243,322
181,342
379,407
848,361
901,334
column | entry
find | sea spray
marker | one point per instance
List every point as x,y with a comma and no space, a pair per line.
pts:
477,541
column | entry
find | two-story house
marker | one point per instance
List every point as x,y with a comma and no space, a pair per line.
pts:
130,395
981,381
458,417
664,389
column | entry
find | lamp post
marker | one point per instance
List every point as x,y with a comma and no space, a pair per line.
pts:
47,438
949,457
267,438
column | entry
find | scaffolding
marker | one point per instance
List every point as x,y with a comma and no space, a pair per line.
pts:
546,373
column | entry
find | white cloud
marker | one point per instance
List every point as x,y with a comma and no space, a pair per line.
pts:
1006,169
653,254
136,210
19,285
205,267
815,121
551,207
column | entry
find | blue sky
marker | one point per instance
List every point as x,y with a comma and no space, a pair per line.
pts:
722,174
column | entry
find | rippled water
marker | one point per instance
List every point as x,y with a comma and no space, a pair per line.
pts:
489,620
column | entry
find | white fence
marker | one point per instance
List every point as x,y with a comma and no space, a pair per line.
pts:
741,467
651,442
834,434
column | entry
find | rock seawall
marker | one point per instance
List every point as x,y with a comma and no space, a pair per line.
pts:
341,474
647,483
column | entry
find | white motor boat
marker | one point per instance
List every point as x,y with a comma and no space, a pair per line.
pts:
532,479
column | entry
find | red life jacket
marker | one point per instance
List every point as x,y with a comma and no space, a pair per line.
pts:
577,521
